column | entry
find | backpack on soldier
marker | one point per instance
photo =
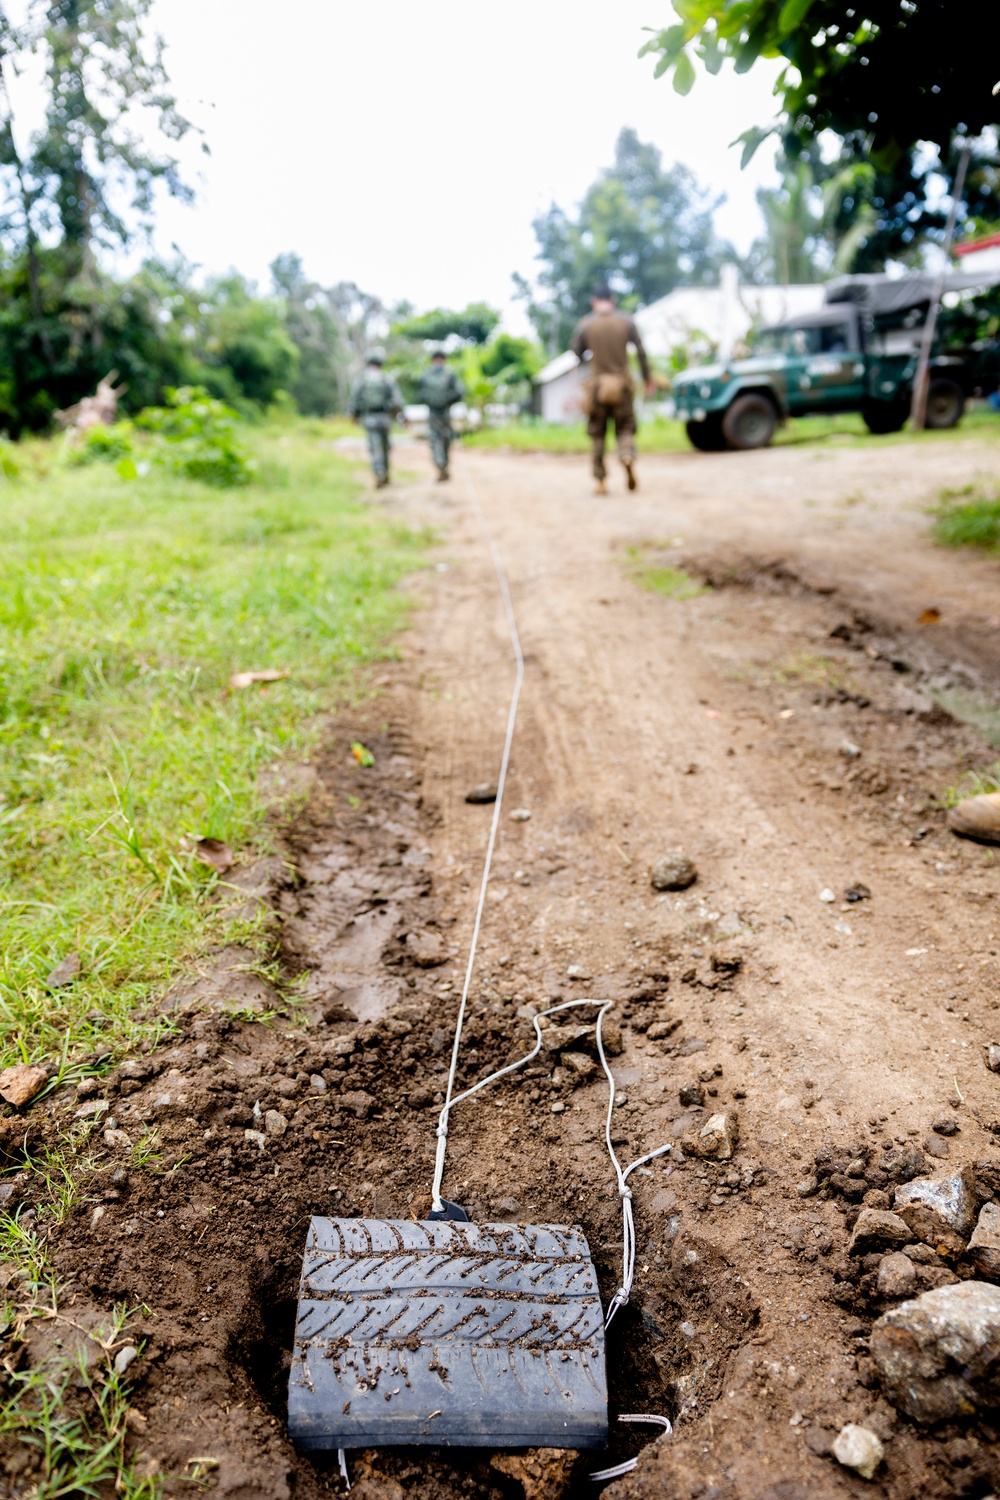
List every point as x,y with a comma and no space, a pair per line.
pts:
437,387
374,393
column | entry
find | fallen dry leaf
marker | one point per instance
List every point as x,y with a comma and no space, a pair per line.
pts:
929,616
362,754
20,1084
247,679
65,972
214,853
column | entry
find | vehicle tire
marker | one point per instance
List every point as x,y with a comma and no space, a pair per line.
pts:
885,417
706,435
945,404
749,422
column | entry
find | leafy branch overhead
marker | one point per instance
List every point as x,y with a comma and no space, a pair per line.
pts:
900,71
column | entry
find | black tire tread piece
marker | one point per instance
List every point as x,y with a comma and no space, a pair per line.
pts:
447,1333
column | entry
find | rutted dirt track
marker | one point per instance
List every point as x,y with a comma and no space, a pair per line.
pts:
784,728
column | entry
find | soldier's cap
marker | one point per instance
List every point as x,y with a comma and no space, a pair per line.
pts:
602,292
375,356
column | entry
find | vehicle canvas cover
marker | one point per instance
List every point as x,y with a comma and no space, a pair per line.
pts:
882,296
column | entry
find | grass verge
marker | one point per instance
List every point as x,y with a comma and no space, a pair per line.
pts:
126,607
969,517
670,582
662,435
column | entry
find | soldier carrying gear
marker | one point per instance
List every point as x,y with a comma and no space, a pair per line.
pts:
607,333
375,400
440,388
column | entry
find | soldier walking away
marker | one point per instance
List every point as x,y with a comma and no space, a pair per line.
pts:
375,400
440,388
606,334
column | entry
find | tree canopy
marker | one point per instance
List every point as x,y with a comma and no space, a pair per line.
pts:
900,71
473,325
642,227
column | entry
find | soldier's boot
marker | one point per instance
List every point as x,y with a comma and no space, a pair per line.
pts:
600,485
381,480
628,464
443,473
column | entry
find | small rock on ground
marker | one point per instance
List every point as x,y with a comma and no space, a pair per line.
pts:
64,973
984,1246
859,1449
938,1357
20,1084
897,1276
486,791
674,872
940,1210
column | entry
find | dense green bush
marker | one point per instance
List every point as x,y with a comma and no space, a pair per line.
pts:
195,436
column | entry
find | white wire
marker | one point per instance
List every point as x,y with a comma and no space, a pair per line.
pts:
631,1464
515,641
621,1296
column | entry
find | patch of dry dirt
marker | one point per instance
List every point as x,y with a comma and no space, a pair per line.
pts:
785,729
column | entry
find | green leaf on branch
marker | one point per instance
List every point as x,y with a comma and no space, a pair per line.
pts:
792,14
684,74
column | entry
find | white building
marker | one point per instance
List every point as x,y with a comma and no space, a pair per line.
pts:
710,320
980,255
706,321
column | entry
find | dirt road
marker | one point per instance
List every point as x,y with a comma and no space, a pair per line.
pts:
785,728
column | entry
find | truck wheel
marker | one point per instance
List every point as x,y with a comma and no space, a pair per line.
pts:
706,435
749,422
945,404
884,418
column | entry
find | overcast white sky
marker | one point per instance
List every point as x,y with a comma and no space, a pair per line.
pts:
408,147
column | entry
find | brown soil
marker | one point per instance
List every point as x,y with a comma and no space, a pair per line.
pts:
837,1034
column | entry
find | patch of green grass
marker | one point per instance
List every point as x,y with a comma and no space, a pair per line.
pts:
126,606
807,668
671,582
68,1409
663,435
969,517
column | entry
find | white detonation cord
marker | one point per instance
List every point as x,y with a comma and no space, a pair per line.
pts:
442,1130
622,1174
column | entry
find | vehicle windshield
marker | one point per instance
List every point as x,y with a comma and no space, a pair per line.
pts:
822,338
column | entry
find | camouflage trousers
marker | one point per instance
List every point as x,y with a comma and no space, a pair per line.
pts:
377,425
440,433
623,417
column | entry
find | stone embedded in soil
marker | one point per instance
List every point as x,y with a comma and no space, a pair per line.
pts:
897,1276
938,1357
520,815
715,1141
486,791
674,872
984,1246
939,1210
427,949
64,972
275,1123
660,1030
691,1093
936,1147
579,1063
124,1358
859,1449
874,1229
946,1126
993,1057
20,1084
255,1138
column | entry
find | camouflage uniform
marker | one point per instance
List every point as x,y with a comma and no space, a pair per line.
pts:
440,388
375,400
607,335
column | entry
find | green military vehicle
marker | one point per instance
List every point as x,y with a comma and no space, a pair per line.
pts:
858,352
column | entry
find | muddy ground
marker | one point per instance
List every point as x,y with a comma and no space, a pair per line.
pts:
792,729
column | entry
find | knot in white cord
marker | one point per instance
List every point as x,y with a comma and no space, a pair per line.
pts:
442,1132
625,1192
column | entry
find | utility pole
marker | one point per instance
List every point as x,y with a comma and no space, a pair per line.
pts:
921,381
